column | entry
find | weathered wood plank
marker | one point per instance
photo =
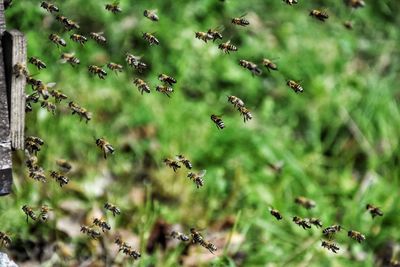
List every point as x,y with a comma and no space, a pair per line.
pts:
14,50
5,142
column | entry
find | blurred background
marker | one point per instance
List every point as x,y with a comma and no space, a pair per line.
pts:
337,143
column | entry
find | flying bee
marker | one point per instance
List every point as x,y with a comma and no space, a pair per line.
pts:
33,82
330,246
49,7
81,112
33,144
305,202
269,64
215,33
31,162
151,15
252,67
20,70
236,101
44,212
149,37
204,36
164,89
375,211
114,7
166,79
50,107
211,247
134,61
302,222
29,213
218,121
320,15
290,2
356,236
331,230
105,147
174,164
141,85
356,3
90,232
122,245
226,47
197,178
241,21
115,67
180,236
32,98
58,96
68,23
196,236
5,239
43,89
37,173
64,165
70,58
245,113
348,25
57,40
61,179
112,208
102,224
276,214
297,88
98,37
96,70
131,253
184,161
78,38
37,62
316,222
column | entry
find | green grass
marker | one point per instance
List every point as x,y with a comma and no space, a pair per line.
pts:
341,133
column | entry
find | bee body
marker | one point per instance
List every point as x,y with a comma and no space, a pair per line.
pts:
61,179
301,222
141,85
356,3
245,113
164,89
166,79
50,107
227,47
375,211
151,15
37,173
236,101
252,67
240,21
49,7
172,164
105,147
58,96
197,178
68,23
20,70
297,88
276,214
215,34
348,25
135,62
78,38
180,236
102,224
81,112
269,64
37,62
290,2
90,232
330,246
305,202
96,70
114,7
64,165
331,230
127,249
316,222
356,236
29,213
218,121
57,40
204,36
184,161
44,213
150,38
112,208
98,37
34,83
320,15
5,239
33,144
115,67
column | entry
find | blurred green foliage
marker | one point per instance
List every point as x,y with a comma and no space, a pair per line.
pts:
339,140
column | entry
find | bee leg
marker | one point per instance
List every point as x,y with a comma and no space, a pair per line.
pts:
104,154
27,218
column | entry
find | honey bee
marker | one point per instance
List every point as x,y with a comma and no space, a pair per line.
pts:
33,82
115,67
197,178
180,236
78,38
64,165
215,33
50,107
305,202
166,79
330,246
114,7
81,112
102,224
151,15
204,36
252,67
58,96
127,249
302,222
5,239
331,230
61,179
236,101
316,222
184,161
98,37
29,213
290,2
149,37
164,89
37,62
31,162
70,58
49,7
135,62
375,211
210,247
172,164
33,144
90,232
44,212
218,121
37,173
122,245
226,47
43,89
32,98
356,236
68,23
276,214
269,64
356,3
245,113
141,85
112,208
57,40
320,15
198,238
96,70
20,70
295,86
348,25
241,21
105,147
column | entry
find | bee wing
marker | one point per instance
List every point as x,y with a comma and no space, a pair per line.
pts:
202,173
51,85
